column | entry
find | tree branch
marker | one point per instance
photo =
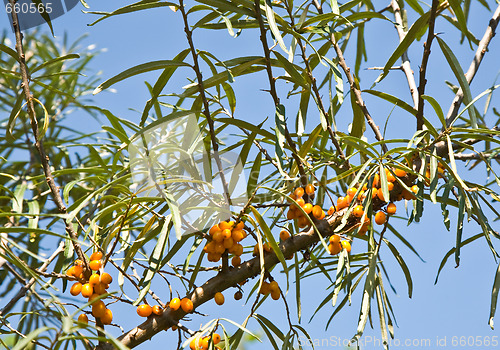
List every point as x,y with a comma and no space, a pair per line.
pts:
474,66
44,158
423,65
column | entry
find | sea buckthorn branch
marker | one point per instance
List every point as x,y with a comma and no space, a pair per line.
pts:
274,94
405,66
315,89
423,65
206,108
44,158
474,66
226,280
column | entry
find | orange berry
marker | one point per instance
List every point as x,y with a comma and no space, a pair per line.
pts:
240,225
358,211
265,288
299,192
219,298
352,192
194,344
346,245
157,310
226,233
399,172
361,195
267,247
223,225
100,288
98,308
391,208
376,180
284,235
331,211
390,186
414,189
204,343
274,286
380,195
218,237
334,239
187,305
334,249
74,271
303,222
83,318
174,304
380,218
144,310
322,215
216,338
389,175
301,202
236,261
106,278
107,318
78,262
95,265
93,296
310,189
94,279
219,248
342,202
87,290
237,249
275,294
214,229
238,235
374,192
76,289
317,212
291,214
228,243
96,256
307,207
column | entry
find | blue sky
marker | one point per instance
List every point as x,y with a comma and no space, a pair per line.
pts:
458,306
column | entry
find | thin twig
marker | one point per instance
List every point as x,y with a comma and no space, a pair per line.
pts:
423,65
315,89
357,93
474,66
206,109
44,158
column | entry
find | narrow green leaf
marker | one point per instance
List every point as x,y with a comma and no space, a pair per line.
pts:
494,296
271,240
271,20
139,69
403,265
459,74
403,46
54,61
254,175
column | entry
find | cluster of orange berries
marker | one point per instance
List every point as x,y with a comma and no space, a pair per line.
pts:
270,288
185,304
226,236
335,245
202,343
303,201
96,285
